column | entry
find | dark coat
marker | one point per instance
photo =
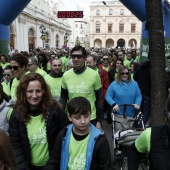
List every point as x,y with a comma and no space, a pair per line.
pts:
55,121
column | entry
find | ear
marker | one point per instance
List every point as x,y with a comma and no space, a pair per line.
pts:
69,117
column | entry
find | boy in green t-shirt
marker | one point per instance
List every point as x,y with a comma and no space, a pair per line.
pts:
80,145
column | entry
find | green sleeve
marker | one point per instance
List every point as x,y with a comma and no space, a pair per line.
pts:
142,143
9,113
97,82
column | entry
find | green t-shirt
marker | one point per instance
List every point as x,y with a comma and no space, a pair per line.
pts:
6,87
77,153
126,63
83,85
106,68
64,63
4,65
39,71
36,129
143,142
55,85
14,86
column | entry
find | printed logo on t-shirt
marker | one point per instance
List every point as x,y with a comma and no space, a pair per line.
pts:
78,162
79,88
40,137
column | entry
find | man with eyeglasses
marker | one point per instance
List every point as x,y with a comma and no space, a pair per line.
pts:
54,78
32,67
85,82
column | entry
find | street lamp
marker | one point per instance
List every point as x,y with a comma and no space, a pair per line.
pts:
77,41
42,30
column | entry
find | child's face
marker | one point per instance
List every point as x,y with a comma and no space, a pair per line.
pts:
80,123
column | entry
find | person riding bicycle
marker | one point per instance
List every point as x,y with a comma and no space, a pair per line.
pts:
156,142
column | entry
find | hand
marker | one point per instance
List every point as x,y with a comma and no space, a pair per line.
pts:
116,108
99,125
136,106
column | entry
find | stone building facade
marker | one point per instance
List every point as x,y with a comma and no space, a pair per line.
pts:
112,24
25,30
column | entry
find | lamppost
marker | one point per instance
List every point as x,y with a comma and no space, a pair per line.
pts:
77,41
65,39
42,30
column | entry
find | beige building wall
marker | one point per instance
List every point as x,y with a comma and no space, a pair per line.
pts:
116,14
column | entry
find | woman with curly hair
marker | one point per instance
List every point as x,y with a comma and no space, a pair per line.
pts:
34,122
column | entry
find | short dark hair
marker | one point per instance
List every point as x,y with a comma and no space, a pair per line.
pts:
79,48
20,59
93,56
78,105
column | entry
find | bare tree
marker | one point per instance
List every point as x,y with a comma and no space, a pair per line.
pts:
154,24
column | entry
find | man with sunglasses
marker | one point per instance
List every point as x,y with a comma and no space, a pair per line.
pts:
18,67
105,62
32,67
83,81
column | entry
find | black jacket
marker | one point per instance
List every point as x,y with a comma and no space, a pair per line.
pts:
55,121
101,159
142,76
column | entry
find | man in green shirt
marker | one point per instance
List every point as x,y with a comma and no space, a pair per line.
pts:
54,78
85,82
33,67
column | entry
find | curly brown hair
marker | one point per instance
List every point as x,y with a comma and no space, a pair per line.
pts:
22,105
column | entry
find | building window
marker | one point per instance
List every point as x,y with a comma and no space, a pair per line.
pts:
121,28
122,12
76,25
97,12
97,27
109,28
133,28
81,26
110,12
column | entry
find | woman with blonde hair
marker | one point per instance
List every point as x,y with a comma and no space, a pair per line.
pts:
124,91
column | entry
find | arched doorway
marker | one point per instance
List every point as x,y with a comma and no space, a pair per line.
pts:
109,43
132,43
31,39
121,43
97,43
12,37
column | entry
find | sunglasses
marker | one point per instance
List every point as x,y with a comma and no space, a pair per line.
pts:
8,75
105,59
14,67
127,73
76,55
30,65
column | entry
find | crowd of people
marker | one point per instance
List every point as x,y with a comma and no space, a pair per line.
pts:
54,101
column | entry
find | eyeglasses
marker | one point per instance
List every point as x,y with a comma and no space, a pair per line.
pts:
30,65
105,59
127,73
8,75
76,55
14,67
